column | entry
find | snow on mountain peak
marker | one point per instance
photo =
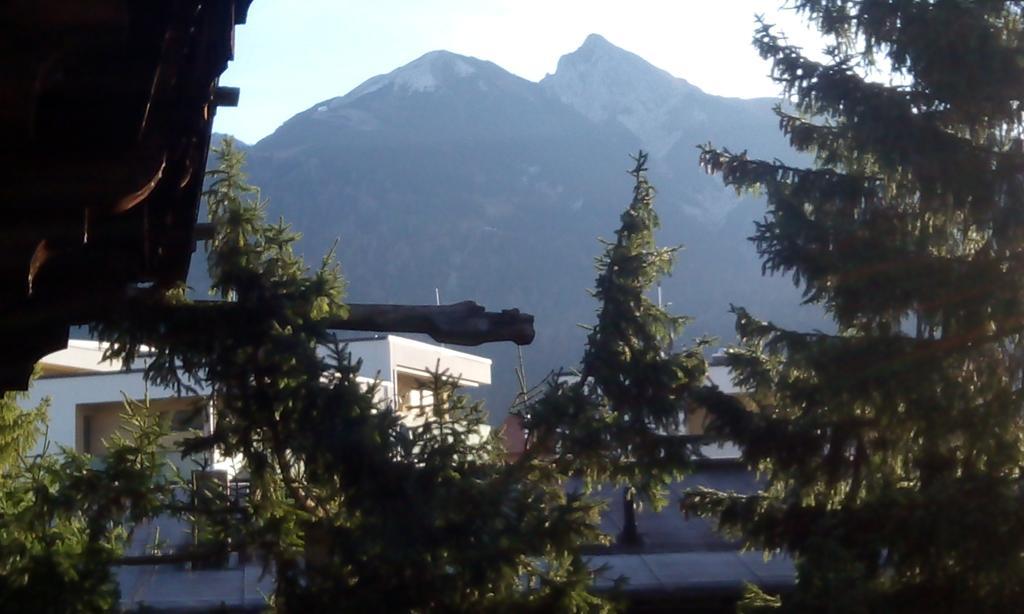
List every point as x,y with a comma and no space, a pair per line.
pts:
423,74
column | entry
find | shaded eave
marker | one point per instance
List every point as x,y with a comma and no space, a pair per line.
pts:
107,108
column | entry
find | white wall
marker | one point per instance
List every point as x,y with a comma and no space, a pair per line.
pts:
416,357
382,358
67,392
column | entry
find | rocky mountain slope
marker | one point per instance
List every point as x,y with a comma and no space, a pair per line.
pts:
452,173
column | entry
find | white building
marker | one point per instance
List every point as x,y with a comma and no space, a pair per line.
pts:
87,394
402,366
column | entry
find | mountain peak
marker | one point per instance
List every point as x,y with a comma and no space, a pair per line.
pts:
596,41
598,50
610,61
443,57
608,83
424,74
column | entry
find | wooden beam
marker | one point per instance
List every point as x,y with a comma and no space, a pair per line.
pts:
224,96
204,231
465,323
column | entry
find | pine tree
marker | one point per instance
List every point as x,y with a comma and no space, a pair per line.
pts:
892,448
65,518
621,419
350,507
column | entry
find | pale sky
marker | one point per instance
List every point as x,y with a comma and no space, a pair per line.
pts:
292,54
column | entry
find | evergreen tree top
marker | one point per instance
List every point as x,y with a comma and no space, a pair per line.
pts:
621,420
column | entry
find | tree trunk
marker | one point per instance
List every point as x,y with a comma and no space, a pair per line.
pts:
630,535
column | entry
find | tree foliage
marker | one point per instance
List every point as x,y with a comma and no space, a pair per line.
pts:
622,419
351,506
66,518
892,447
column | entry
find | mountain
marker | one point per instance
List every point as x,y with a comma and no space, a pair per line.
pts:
452,173
668,115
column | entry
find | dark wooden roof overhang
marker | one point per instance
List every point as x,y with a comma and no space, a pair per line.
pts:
106,108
